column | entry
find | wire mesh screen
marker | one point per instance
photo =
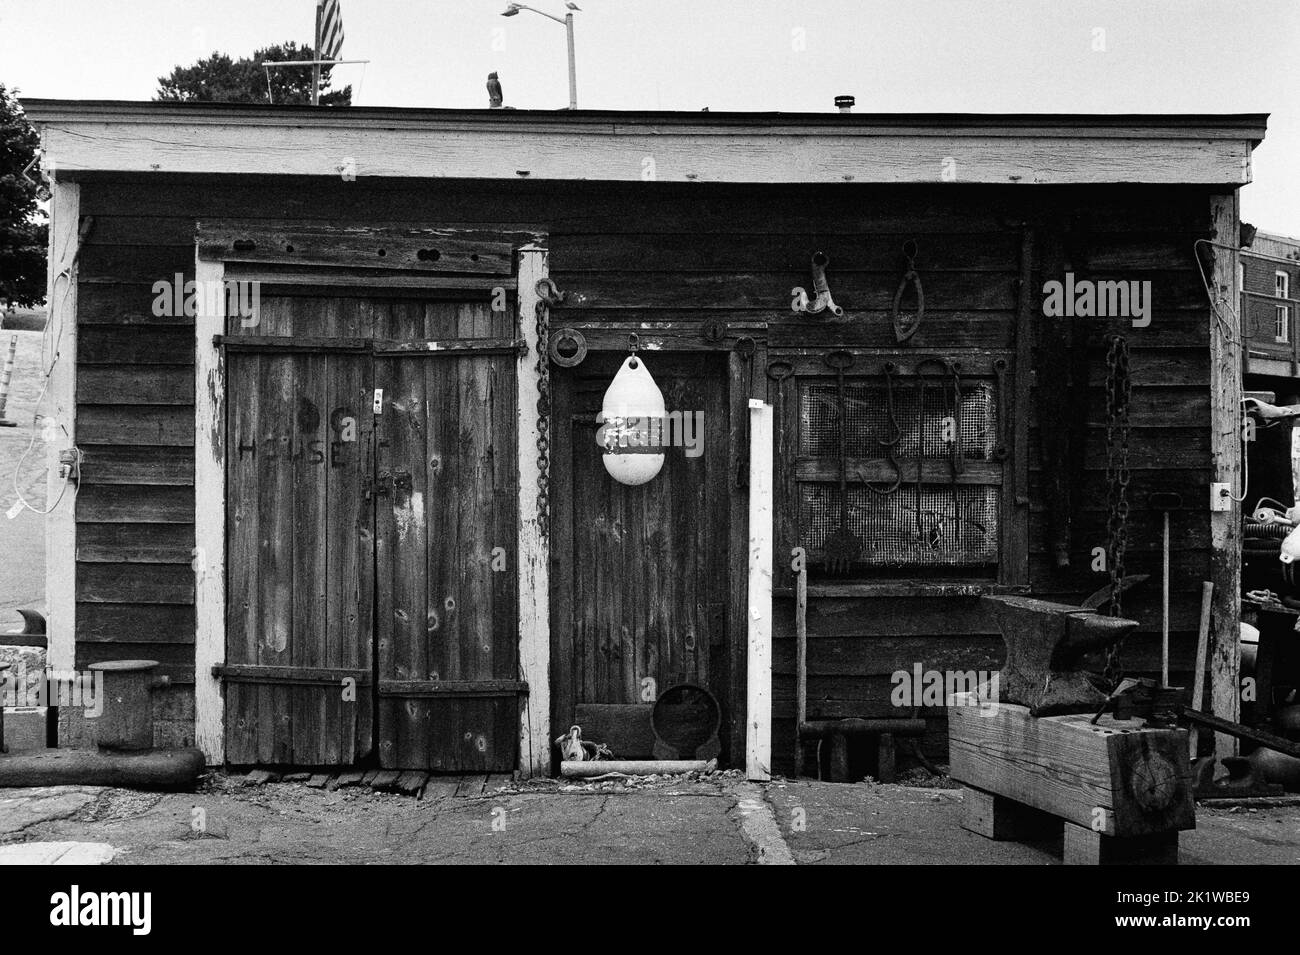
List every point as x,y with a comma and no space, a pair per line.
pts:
935,526
895,532
866,410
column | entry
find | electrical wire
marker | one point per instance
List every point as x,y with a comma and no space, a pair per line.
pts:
49,359
1223,325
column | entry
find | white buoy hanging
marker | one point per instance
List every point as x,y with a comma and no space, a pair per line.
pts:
632,417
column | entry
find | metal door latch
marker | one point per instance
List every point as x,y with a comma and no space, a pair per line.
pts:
379,401
381,485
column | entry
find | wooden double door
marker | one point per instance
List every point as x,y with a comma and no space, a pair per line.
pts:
372,524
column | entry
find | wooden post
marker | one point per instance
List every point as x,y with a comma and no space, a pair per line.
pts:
1202,646
209,510
758,700
534,552
60,521
1225,461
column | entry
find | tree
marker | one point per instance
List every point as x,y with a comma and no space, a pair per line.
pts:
219,79
23,234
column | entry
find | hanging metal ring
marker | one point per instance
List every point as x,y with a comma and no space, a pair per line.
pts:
573,358
901,332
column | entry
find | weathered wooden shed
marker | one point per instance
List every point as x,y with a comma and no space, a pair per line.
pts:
381,477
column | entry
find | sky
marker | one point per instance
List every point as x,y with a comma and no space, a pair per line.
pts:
985,56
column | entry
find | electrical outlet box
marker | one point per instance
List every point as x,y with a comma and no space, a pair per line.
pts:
1220,497
70,464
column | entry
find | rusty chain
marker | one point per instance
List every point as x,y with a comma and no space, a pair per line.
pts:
547,295
1119,388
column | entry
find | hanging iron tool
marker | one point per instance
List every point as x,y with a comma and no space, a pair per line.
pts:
890,442
956,455
905,326
1165,501
842,547
779,371
823,301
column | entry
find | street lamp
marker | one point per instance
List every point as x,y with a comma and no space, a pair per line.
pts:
514,8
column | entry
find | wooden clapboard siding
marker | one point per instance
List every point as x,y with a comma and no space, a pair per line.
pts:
679,254
119,464
134,504
122,384
135,543
135,344
142,623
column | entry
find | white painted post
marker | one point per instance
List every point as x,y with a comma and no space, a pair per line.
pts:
209,511
758,702
534,586
60,355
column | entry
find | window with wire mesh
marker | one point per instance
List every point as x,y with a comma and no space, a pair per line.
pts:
936,523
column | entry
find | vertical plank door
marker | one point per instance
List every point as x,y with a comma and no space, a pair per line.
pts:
300,563
446,529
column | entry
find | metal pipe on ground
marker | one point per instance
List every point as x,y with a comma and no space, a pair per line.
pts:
634,767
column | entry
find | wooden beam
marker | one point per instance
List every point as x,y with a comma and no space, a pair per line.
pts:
1116,777
209,513
758,700
534,551
60,521
1225,460
767,148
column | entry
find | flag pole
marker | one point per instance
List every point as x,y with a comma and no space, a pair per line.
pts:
315,69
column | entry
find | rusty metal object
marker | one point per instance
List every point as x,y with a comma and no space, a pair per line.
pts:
1242,779
166,770
127,720
1046,643
821,289
568,348
905,326
842,547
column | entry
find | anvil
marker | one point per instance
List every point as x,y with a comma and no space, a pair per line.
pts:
1046,643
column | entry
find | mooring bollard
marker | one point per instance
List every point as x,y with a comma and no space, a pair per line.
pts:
127,720
5,377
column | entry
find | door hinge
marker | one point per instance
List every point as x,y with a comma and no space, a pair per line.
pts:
379,401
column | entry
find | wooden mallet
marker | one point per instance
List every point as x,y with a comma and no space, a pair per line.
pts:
1165,501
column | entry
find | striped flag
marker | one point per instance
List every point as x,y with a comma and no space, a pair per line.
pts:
331,30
